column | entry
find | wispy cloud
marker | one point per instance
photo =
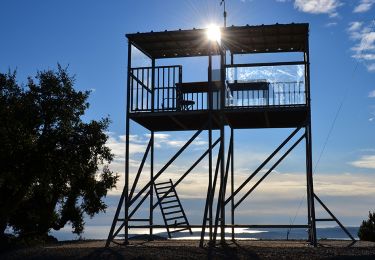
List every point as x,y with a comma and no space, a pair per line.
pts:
371,94
365,161
117,146
331,24
137,147
354,27
371,67
318,6
165,140
364,43
364,6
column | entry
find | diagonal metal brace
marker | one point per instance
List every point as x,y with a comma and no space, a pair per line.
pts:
187,172
222,190
262,165
270,170
333,217
140,169
165,167
209,200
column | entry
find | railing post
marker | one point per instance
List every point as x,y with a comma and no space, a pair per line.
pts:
152,85
127,133
209,145
152,185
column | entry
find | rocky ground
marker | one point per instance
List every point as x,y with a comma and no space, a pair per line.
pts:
178,249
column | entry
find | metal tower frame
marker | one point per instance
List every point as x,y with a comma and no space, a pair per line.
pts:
214,119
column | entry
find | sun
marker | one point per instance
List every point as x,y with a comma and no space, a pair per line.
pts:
214,33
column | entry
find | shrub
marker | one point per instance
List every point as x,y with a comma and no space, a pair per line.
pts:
367,228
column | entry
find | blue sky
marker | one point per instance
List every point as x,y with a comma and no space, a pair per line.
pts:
89,37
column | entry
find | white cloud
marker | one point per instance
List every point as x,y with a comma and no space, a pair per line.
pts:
364,47
354,26
366,161
364,6
371,94
163,140
371,67
137,147
368,56
117,145
318,6
331,24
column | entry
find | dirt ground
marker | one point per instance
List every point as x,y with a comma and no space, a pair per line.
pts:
270,249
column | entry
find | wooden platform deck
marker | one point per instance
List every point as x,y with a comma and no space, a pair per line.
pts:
237,118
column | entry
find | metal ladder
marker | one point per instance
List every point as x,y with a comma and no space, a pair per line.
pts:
171,208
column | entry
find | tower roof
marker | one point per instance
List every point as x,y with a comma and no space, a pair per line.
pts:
237,39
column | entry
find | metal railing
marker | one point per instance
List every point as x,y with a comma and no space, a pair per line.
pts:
276,94
163,90
160,96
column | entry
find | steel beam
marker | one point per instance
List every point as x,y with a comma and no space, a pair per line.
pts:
139,204
333,217
152,185
270,170
232,176
310,190
220,204
187,172
288,63
140,168
115,220
210,118
165,167
262,165
209,201
127,133
230,226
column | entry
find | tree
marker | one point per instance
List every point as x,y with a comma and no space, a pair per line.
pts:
367,228
54,166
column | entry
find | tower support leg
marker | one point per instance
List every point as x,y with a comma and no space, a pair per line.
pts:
232,180
310,188
152,185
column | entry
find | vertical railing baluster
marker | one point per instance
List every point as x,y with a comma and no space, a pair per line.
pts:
148,84
174,89
131,89
168,87
142,95
158,92
136,104
163,86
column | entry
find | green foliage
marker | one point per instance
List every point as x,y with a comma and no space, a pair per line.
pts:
367,228
53,165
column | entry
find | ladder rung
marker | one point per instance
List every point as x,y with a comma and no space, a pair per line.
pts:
170,201
168,219
163,193
164,188
177,224
178,230
169,196
170,207
161,183
173,212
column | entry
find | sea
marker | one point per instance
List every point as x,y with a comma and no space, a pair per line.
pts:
101,232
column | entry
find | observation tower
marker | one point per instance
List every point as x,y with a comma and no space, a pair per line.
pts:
234,95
